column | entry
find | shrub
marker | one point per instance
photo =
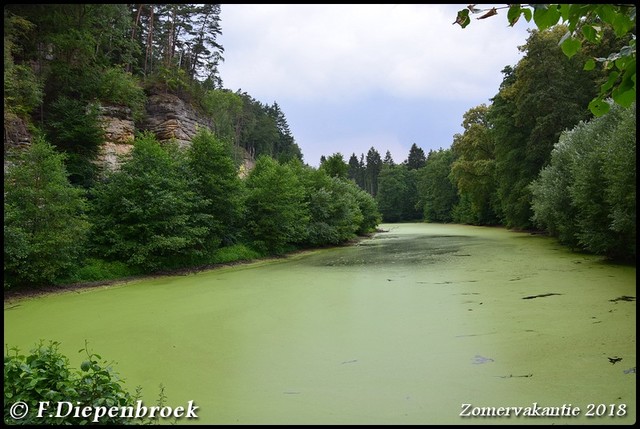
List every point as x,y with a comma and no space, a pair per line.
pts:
237,252
94,270
45,375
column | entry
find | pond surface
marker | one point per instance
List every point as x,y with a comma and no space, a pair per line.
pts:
403,328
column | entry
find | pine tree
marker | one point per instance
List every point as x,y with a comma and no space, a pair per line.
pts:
416,159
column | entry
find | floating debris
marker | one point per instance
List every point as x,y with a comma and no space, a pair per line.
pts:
630,370
477,360
624,298
475,335
541,295
350,361
515,376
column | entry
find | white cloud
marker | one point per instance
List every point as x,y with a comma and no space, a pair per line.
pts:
334,52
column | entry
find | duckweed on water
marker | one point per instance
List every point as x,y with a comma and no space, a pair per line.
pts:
404,328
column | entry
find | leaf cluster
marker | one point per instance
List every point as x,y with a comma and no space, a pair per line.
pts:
585,23
46,375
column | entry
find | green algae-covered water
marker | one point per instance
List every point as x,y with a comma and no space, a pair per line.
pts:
416,325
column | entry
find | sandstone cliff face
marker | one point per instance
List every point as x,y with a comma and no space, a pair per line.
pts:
119,129
167,116
170,117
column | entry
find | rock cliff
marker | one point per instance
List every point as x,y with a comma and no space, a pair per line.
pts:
166,115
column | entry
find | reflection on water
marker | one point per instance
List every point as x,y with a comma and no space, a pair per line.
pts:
403,328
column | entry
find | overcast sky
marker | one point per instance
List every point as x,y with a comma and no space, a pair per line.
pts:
352,77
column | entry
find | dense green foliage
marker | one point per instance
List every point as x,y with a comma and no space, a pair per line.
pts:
416,158
276,210
121,88
586,24
44,218
356,171
45,375
586,196
437,194
167,208
474,170
22,88
216,182
397,194
335,166
334,210
535,104
148,213
74,128
368,206
372,170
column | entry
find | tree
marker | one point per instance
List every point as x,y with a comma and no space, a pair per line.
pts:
356,171
179,37
416,158
372,170
276,212
335,166
536,101
205,52
388,160
473,170
263,130
334,211
148,214
397,194
74,44
584,23
286,149
587,195
371,216
217,183
22,88
437,195
73,127
45,226
225,109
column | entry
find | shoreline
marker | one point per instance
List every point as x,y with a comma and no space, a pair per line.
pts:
12,297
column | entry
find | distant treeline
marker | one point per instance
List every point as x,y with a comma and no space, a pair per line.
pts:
534,159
